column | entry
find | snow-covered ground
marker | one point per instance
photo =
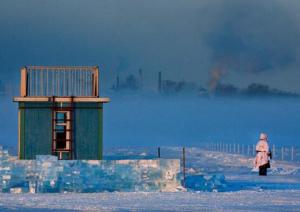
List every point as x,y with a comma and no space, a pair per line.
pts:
243,190
180,201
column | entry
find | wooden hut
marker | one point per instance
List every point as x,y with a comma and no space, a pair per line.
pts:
60,112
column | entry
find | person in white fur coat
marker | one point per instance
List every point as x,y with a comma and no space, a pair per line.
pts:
263,153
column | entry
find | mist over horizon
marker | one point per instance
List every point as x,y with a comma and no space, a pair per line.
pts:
151,120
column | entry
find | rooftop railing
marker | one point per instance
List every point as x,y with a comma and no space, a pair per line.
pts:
37,81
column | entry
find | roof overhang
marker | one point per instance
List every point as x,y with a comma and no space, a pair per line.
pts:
61,99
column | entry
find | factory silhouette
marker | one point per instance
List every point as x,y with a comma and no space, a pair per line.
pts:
168,87
134,83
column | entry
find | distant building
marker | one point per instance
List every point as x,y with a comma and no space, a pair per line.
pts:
131,83
60,112
226,90
170,87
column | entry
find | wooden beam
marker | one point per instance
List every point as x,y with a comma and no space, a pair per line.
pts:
96,81
23,87
62,68
62,99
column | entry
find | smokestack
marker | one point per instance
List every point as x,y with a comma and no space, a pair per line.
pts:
118,82
159,82
216,76
141,78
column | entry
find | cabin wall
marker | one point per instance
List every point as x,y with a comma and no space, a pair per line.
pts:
88,131
35,130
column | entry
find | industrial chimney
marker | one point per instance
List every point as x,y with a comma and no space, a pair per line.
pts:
159,82
141,78
117,83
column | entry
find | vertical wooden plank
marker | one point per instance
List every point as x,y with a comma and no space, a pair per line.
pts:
52,80
97,85
23,87
41,83
58,83
100,133
81,83
86,82
68,137
35,83
93,84
21,129
96,81
76,83
47,86
19,134
64,83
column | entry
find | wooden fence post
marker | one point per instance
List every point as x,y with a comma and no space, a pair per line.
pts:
183,164
158,152
273,151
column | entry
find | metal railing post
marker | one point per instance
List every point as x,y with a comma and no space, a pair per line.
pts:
183,165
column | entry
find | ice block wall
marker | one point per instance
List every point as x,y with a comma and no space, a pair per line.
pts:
47,174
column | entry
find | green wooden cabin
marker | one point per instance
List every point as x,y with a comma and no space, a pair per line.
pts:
60,113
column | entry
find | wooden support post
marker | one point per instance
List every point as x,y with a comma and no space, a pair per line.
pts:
23,89
57,84
53,83
282,153
35,82
96,81
41,83
248,149
47,82
81,82
64,84
292,153
158,152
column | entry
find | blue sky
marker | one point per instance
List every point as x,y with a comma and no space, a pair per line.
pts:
258,41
